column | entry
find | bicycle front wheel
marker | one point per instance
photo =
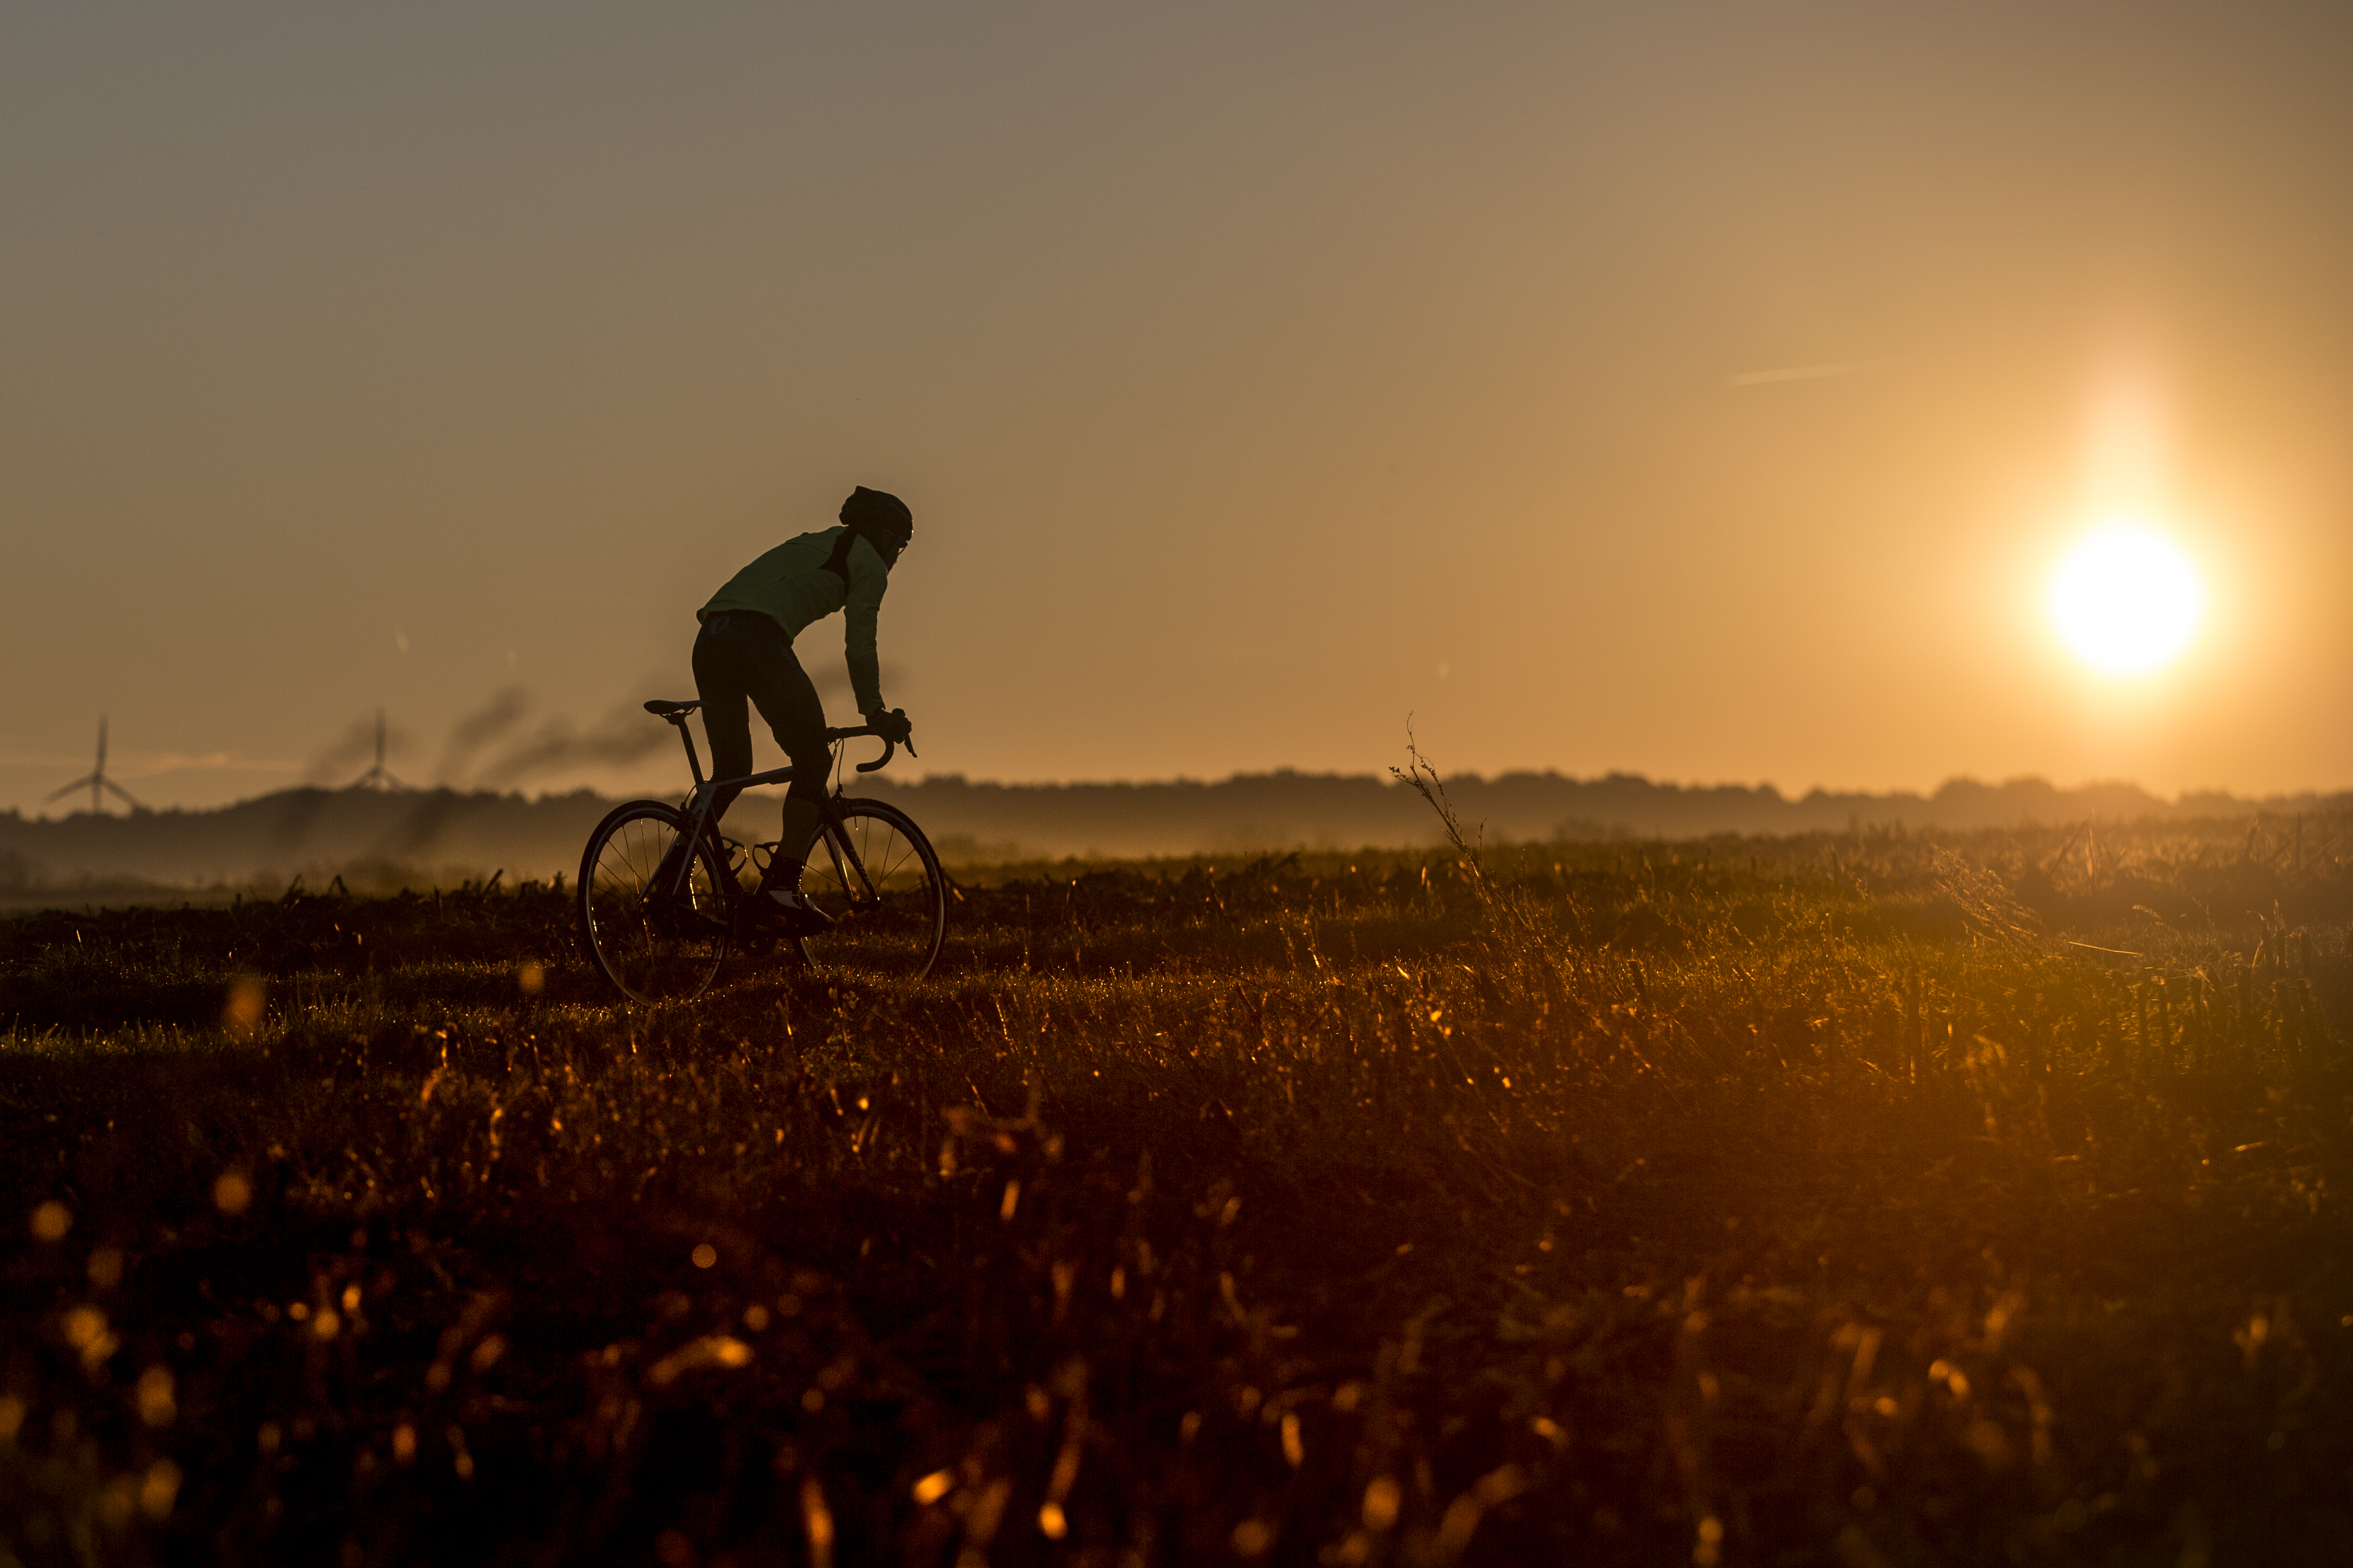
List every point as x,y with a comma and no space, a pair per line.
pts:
656,937
877,878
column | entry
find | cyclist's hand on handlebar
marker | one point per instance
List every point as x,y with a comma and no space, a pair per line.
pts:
893,727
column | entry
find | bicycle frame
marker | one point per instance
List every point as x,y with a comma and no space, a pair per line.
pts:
705,795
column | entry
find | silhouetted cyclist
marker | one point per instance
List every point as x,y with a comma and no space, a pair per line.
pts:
745,652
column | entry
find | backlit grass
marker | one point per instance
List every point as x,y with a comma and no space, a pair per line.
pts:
1846,1200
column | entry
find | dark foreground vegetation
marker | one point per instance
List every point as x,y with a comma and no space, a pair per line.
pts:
1853,1200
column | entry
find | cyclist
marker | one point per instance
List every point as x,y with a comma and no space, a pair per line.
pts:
744,652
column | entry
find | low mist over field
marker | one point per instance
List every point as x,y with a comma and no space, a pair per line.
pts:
423,838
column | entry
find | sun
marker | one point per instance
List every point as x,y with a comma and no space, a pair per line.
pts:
2127,599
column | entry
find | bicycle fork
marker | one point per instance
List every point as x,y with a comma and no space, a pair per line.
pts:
844,855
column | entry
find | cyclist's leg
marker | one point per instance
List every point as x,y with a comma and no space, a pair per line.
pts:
719,681
782,689
788,701
726,666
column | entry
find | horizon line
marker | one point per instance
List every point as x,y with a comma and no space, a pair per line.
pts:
2318,793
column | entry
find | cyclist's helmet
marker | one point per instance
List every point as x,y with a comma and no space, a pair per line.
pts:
882,519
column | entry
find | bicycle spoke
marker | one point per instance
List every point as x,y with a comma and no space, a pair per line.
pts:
650,943
882,890
877,881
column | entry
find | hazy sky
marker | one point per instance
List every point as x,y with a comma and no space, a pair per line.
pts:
1705,390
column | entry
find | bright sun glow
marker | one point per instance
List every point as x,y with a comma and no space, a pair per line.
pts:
2127,599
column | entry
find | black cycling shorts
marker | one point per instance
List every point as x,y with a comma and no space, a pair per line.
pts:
744,656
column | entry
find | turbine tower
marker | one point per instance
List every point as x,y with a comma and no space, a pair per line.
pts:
96,781
378,777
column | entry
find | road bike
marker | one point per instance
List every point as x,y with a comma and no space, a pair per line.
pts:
658,921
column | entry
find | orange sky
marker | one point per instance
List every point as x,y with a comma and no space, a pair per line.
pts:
1700,391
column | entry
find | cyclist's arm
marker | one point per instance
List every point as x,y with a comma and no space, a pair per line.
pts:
868,579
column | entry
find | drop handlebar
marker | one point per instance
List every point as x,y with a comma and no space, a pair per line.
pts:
890,747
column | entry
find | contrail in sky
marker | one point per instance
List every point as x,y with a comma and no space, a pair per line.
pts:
1795,372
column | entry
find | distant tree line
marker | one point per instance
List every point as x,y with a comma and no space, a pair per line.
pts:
403,835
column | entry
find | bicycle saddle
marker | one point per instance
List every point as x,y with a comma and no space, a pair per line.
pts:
671,709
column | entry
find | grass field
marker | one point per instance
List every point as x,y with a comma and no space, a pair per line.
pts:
1860,1200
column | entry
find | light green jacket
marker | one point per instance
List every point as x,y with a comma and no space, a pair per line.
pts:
790,586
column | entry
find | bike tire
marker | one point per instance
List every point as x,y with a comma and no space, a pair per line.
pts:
891,922
651,953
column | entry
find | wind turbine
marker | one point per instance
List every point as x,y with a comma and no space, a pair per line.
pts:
96,781
378,777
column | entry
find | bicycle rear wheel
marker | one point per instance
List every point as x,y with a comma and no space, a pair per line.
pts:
657,945
878,879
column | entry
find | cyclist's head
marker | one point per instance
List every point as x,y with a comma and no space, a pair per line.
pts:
883,518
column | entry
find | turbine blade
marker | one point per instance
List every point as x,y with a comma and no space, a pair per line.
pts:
64,790
128,798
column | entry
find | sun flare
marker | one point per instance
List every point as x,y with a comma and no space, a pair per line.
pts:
2127,599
